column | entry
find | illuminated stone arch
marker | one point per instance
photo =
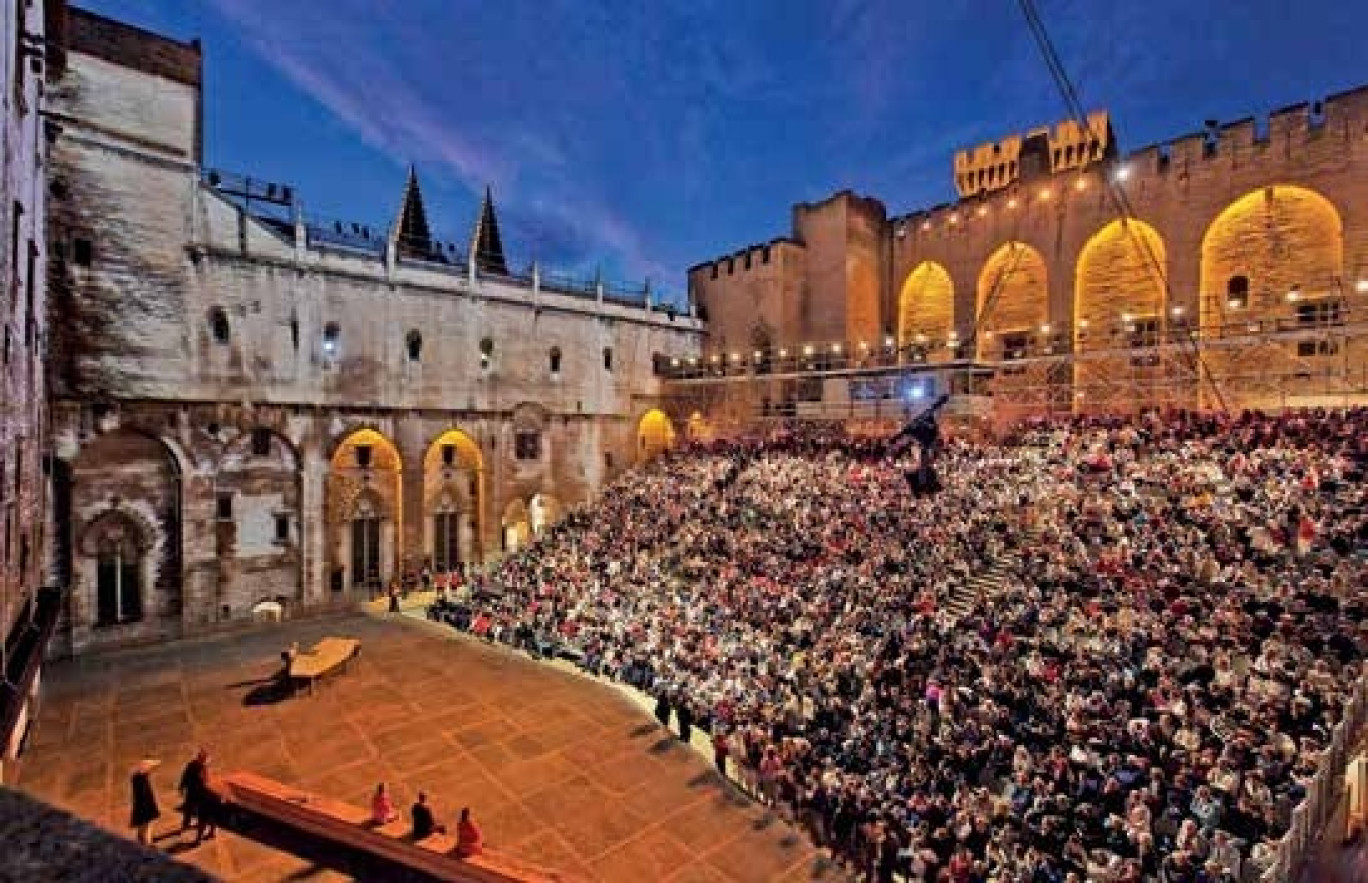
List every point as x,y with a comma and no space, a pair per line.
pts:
517,527
1119,304
453,500
364,512
543,511
1117,281
655,434
926,306
1021,304
1268,243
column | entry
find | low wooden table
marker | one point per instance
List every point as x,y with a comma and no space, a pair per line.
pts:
351,826
326,656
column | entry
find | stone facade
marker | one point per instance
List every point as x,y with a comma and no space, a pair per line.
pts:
250,407
23,316
1246,243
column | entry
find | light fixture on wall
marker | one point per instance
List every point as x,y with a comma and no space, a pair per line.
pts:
1361,286
1122,174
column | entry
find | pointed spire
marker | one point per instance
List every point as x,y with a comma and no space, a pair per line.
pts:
410,235
486,248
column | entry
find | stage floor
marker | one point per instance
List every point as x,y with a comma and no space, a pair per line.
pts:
558,769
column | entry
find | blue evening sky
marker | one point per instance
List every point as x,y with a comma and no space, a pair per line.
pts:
647,136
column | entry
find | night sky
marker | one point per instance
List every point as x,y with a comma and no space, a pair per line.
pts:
644,137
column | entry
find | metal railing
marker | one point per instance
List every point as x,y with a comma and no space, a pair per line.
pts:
1310,817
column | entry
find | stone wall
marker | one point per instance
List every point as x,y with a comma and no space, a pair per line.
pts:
23,326
215,374
1191,192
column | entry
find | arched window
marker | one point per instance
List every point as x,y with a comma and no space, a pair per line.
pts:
555,360
607,358
218,325
414,342
118,579
332,339
1237,292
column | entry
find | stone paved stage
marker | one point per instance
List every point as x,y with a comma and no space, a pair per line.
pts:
559,770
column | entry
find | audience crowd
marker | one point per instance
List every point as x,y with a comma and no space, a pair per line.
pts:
1145,696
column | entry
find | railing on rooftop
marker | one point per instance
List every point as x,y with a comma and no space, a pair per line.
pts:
277,207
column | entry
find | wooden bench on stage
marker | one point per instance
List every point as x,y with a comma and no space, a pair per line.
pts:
351,826
326,656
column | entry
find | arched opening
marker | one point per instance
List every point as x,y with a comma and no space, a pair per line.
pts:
364,512
453,477
125,560
655,434
926,311
119,582
1272,260
543,511
1119,305
1013,304
517,529
218,325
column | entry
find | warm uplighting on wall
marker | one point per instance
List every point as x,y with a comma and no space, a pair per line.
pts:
1294,294
1081,184
1045,194
1012,203
982,210
836,348
864,344
1361,286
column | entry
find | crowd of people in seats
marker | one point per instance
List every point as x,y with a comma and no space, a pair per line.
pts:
1179,624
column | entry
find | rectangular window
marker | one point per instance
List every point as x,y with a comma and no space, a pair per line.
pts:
448,455
1014,346
30,319
82,252
282,528
527,445
363,456
16,221
224,506
261,442
1310,349
1320,313
1144,332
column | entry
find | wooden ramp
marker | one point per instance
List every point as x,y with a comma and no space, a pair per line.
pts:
351,826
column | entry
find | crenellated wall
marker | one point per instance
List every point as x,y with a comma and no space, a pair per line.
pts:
1284,197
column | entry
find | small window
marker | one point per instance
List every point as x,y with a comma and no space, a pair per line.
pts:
261,442
607,358
82,253
486,352
414,343
332,338
1237,292
363,456
224,508
608,459
294,333
1320,313
1144,332
554,359
218,325
527,445
1308,349
448,455
1014,346
282,528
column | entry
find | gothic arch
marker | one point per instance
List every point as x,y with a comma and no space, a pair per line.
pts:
1273,239
926,306
1116,281
1013,297
453,499
655,434
364,511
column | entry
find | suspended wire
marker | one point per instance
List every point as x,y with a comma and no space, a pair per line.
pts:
1115,193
